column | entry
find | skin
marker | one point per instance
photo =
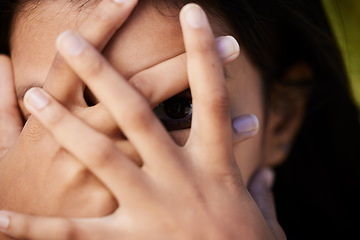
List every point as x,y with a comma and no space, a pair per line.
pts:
163,41
243,89
166,44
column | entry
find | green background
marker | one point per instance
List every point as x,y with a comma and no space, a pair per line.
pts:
345,18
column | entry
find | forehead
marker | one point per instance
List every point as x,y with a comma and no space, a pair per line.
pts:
148,37
147,34
151,34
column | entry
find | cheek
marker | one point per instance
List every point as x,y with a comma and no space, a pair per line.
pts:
248,156
245,90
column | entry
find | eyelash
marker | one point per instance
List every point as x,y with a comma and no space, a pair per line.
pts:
176,112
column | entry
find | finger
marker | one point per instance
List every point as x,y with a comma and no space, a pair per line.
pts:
169,78
98,29
10,118
161,82
22,226
244,127
228,49
260,189
129,108
156,84
106,19
211,119
28,227
92,148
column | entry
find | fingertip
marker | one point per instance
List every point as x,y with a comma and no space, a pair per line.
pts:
228,47
70,42
193,15
261,183
246,124
122,2
36,99
268,177
4,221
6,218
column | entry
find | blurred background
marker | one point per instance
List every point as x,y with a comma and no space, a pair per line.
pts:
345,18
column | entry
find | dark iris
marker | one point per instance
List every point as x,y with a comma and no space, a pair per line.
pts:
176,112
177,108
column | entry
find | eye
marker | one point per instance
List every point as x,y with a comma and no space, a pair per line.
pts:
176,112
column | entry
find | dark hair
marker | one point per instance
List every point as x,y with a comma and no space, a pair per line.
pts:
315,187
6,11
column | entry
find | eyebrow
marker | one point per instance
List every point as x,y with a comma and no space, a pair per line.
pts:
21,90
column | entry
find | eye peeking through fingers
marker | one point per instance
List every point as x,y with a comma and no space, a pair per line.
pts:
176,112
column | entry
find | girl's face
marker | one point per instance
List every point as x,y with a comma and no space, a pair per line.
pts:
148,38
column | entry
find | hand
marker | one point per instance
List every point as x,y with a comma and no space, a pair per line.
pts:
190,192
36,174
60,185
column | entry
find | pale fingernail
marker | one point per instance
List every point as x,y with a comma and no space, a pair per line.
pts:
246,124
36,98
120,1
228,47
4,222
70,42
195,16
269,177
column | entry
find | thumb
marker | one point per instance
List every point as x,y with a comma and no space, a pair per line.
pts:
261,190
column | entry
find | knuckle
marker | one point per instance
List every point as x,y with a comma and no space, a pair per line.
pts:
70,232
101,154
73,170
142,83
24,230
230,179
205,45
219,101
56,117
102,15
95,66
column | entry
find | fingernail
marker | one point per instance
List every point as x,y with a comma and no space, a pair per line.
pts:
4,222
195,16
36,98
228,47
269,177
246,123
71,43
120,1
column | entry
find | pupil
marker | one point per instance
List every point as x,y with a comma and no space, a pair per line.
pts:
177,108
